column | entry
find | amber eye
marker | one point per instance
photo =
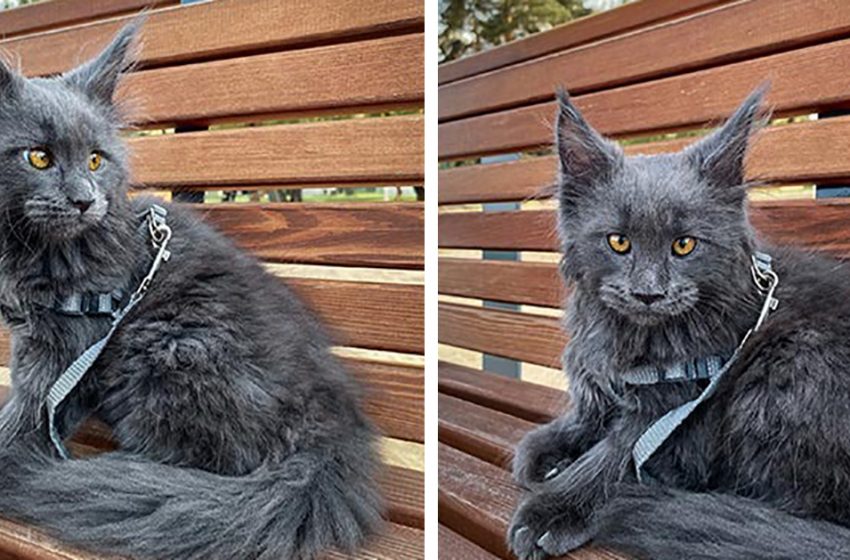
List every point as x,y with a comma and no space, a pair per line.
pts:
620,243
38,158
95,161
684,246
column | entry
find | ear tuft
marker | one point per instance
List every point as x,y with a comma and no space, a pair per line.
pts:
10,79
99,77
720,156
586,158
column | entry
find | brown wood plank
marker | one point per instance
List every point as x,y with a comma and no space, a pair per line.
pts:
358,149
572,34
220,29
528,401
404,491
19,542
476,500
726,34
514,282
394,397
687,100
817,225
481,432
367,314
56,13
372,235
454,547
795,153
521,336
348,78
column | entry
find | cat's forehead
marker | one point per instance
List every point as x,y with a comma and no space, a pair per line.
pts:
657,191
53,109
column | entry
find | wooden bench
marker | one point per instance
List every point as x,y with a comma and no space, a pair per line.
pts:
343,89
638,73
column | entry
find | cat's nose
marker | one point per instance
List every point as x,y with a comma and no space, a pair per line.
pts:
648,299
82,205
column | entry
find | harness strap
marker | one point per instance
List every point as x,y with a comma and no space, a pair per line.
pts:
160,235
712,368
90,303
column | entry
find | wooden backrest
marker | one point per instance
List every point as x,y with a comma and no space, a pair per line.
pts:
259,95
638,73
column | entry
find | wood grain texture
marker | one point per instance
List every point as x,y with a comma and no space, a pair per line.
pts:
527,401
220,29
396,542
572,34
352,150
370,235
817,225
513,282
476,500
454,547
795,153
36,17
481,432
404,491
687,100
726,34
348,78
366,314
394,397
521,336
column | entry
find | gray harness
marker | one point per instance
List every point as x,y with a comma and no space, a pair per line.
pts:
108,304
712,368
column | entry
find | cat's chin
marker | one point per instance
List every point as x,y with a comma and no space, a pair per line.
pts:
66,227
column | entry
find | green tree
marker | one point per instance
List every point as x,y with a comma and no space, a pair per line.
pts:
468,26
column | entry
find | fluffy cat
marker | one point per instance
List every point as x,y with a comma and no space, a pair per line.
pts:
658,251
240,435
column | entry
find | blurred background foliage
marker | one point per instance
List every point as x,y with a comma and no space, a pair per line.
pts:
470,26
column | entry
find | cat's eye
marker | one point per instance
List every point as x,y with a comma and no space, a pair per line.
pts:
95,161
619,243
684,246
38,158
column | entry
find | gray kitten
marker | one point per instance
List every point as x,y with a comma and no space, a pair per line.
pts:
658,251
240,435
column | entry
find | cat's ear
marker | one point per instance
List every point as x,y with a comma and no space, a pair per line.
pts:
99,77
586,158
720,156
10,80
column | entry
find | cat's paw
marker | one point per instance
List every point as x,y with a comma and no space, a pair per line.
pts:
538,458
539,530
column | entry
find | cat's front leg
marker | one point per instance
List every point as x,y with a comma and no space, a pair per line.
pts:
557,516
548,450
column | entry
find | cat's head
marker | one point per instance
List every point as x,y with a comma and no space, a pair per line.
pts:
656,237
62,162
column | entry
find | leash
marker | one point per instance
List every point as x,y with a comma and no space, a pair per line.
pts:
104,304
712,368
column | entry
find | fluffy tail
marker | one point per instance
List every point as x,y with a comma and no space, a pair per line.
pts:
119,504
664,524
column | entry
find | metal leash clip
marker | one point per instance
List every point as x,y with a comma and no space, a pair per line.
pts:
766,281
160,234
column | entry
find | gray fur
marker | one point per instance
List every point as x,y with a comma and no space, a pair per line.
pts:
241,436
762,469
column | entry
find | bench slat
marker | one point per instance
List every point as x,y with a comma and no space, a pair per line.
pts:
220,29
521,336
818,225
354,77
37,17
481,432
515,282
454,547
385,235
354,150
669,104
528,401
718,36
572,34
805,152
